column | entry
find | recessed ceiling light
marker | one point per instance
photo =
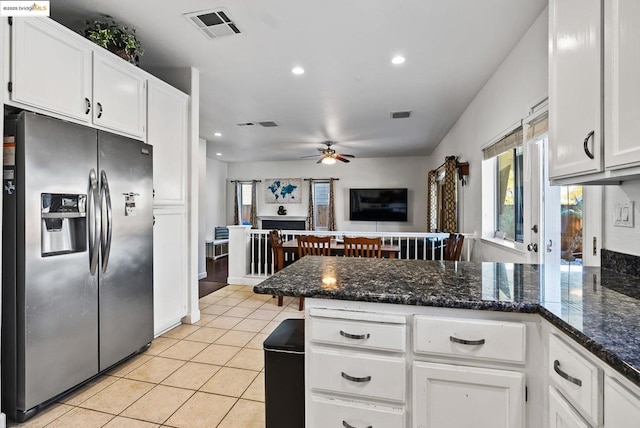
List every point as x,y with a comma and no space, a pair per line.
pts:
297,70
218,154
399,59
217,134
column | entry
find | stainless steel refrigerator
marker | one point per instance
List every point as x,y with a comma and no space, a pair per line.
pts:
77,270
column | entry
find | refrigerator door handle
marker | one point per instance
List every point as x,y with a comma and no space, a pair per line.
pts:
94,222
105,201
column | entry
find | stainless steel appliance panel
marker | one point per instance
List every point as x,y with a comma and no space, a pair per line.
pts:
57,297
126,262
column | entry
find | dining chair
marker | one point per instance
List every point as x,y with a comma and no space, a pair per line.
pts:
453,246
309,245
362,247
275,238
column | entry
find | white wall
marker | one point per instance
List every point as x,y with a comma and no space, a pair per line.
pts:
215,196
202,208
518,83
406,172
621,239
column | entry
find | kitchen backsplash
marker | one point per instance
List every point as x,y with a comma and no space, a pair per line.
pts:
623,263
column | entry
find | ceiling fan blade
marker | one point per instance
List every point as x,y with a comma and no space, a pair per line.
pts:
322,150
346,155
340,158
309,157
320,160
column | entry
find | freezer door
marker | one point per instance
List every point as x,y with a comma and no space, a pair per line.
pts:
126,262
57,297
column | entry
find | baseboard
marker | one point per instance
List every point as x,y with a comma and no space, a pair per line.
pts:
243,280
202,275
3,420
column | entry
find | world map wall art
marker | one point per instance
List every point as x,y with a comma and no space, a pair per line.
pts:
283,190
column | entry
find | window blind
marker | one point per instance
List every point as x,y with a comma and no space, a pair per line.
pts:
508,142
538,127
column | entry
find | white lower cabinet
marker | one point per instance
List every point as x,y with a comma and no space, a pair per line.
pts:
329,412
621,406
561,414
446,396
170,276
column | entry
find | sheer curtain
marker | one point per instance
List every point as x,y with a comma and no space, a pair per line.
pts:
332,207
310,219
432,201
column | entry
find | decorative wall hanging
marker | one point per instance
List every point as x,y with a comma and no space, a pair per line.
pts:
283,190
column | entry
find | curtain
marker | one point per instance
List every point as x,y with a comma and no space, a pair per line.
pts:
310,220
253,214
432,201
449,197
236,211
332,207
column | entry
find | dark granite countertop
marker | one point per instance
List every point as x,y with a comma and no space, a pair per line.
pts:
599,308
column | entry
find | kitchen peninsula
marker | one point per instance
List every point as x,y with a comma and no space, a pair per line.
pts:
416,342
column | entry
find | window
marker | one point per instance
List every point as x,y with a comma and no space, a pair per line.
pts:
244,203
503,175
321,205
509,209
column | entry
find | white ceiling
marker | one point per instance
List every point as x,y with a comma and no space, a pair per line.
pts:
350,86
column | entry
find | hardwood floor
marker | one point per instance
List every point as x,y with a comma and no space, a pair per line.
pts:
217,272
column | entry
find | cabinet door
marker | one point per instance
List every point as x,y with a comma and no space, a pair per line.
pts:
575,87
622,86
167,131
561,414
620,405
170,276
446,396
118,96
51,69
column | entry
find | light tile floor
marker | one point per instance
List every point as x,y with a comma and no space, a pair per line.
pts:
210,374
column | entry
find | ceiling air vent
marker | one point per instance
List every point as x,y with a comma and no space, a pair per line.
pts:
400,114
268,124
213,23
246,124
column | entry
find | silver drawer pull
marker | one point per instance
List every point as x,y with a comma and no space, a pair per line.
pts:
466,342
356,379
574,380
354,336
346,424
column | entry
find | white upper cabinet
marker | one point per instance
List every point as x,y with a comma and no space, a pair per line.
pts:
575,87
167,131
118,96
622,83
50,70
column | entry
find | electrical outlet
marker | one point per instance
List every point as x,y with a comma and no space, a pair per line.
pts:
623,214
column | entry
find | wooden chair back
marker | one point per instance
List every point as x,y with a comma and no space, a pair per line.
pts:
275,238
362,247
313,245
453,246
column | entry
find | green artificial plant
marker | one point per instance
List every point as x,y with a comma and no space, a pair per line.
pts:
118,39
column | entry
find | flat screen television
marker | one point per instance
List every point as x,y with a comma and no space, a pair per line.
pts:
378,204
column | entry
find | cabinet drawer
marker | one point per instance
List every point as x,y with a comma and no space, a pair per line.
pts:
576,378
360,334
327,412
477,339
357,373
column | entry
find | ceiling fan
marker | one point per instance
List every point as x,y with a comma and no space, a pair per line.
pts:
328,156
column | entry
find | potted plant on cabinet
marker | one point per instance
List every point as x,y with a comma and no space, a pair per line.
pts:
118,39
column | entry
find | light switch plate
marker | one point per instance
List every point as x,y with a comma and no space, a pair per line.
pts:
623,214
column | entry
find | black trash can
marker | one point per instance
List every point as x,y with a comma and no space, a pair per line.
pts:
284,375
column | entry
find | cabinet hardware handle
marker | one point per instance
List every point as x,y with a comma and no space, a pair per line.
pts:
586,145
356,379
88,104
466,342
354,336
574,380
99,110
346,424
